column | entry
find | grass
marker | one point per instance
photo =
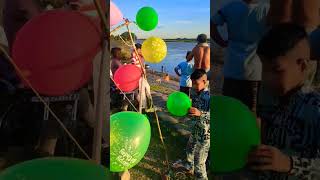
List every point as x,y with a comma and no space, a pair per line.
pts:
152,166
161,89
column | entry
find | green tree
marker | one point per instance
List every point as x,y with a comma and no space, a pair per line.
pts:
125,36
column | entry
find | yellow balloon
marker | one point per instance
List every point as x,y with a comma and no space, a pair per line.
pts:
154,50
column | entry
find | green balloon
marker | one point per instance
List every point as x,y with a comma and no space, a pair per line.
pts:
147,18
130,135
56,169
235,132
178,104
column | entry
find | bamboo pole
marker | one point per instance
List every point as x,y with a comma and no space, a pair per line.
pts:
100,92
142,65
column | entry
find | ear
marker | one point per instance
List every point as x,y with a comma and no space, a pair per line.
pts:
303,64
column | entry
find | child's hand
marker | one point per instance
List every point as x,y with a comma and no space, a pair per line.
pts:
268,158
194,112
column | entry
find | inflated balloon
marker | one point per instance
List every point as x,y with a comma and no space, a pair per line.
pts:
127,77
178,104
147,18
130,134
56,168
235,133
115,14
61,41
154,50
56,82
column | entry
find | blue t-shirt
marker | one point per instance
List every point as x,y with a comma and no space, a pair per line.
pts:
186,69
246,26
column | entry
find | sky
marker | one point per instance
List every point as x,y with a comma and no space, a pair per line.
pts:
177,18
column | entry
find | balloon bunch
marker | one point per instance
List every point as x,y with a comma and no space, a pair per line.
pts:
154,49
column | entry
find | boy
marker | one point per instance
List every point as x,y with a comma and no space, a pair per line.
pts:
135,59
115,59
199,141
186,69
246,24
290,130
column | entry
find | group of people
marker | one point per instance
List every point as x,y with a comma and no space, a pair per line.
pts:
267,62
118,97
194,83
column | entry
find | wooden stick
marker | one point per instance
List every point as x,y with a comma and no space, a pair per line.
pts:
20,73
142,67
101,100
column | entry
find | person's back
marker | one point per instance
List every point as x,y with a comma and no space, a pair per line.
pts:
186,69
202,57
201,53
246,24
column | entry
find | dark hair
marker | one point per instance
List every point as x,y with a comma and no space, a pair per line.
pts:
189,52
197,74
280,39
138,46
115,50
202,38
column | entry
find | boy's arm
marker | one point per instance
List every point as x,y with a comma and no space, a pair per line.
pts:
218,19
190,56
176,70
216,36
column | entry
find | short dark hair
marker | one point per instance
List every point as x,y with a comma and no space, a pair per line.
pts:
202,38
280,39
197,74
114,50
189,52
138,46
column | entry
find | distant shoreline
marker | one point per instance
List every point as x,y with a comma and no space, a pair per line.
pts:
178,40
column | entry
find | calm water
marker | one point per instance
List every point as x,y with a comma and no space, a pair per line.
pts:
176,53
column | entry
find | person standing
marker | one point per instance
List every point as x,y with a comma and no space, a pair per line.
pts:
186,69
201,53
246,24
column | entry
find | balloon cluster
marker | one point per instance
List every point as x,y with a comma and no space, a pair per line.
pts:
154,49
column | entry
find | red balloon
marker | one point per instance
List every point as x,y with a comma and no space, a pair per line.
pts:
61,81
56,38
127,77
57,48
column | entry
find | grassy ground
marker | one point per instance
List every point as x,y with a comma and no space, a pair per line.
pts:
153,165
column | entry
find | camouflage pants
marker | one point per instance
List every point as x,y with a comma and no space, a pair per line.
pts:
197,153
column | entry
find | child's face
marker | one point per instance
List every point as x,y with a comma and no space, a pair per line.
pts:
117,54
286,72
200,83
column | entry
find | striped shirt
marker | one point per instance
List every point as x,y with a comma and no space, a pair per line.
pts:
295,130
201,101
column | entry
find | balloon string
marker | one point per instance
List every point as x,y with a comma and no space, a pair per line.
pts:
117,28
44,103
144,76
124,41
124,95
